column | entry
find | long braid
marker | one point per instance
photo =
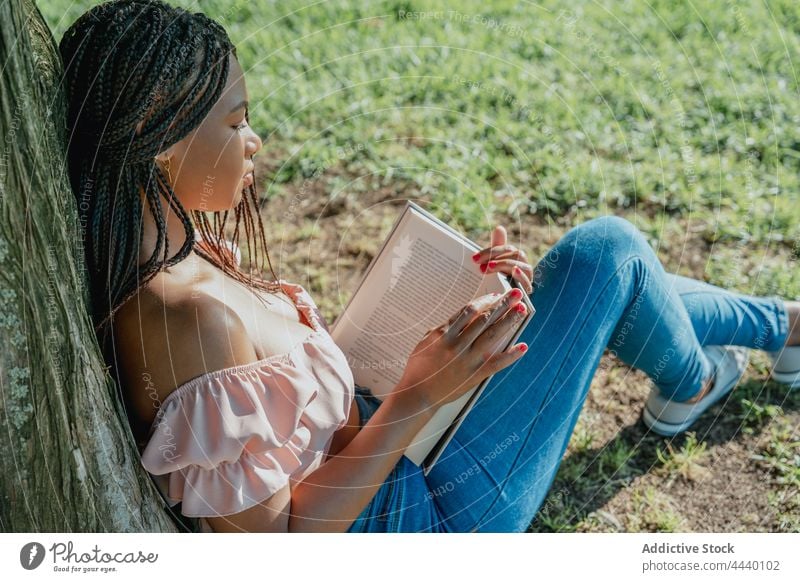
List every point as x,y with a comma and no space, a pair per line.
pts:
140,75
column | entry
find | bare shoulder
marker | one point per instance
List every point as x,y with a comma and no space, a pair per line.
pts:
167,335
268,516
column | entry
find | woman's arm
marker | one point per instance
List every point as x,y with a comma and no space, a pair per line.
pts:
449,361
333,496
208,336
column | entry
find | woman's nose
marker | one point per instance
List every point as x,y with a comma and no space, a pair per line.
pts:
255,143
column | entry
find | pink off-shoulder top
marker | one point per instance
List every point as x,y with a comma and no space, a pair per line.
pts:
231,438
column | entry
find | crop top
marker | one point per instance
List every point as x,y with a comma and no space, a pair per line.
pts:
231,438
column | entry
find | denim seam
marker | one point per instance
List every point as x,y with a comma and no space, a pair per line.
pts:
385,516
778,306
783,318
442,515
627,261
694,292
708,367
364,399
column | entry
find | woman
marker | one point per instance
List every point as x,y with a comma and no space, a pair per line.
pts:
246,410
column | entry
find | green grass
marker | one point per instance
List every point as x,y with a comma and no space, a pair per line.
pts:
653,512
668,109
686,461
660,110
673,114
780,456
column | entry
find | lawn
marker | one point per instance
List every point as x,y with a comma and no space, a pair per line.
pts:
681,117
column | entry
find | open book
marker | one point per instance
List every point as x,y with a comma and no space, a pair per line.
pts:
421,276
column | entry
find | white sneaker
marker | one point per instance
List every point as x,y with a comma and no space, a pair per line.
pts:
786,366
669,418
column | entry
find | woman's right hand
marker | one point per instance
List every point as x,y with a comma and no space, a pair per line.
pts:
458,355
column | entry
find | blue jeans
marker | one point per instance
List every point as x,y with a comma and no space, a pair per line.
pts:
601,286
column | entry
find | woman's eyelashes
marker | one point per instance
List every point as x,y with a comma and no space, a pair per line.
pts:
244,122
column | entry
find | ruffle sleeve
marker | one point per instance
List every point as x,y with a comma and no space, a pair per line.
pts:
228,440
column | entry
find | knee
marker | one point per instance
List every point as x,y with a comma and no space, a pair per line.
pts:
610,227
606,242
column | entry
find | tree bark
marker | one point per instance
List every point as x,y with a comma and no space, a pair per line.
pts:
68,460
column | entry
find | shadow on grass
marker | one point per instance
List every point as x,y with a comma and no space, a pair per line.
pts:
588,478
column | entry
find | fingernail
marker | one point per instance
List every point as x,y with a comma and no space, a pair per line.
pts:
517,270
523,348
483,268
516,293
521,308
476,256
492,264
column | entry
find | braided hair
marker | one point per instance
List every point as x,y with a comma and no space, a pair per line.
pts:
139,76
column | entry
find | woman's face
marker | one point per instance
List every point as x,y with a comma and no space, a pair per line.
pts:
209,165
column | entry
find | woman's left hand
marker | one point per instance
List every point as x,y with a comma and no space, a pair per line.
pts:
502,257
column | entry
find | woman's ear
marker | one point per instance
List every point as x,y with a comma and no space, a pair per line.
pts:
166,154
164,159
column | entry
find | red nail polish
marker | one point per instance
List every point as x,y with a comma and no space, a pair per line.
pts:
523,348
476,256
492,264
520,307
483,268
516,293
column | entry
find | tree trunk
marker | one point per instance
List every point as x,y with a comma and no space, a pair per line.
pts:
68,460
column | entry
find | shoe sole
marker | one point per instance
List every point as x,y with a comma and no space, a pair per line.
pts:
790,379
669,429
780,373
664,428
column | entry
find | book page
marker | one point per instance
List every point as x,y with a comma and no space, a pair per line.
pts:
422,276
